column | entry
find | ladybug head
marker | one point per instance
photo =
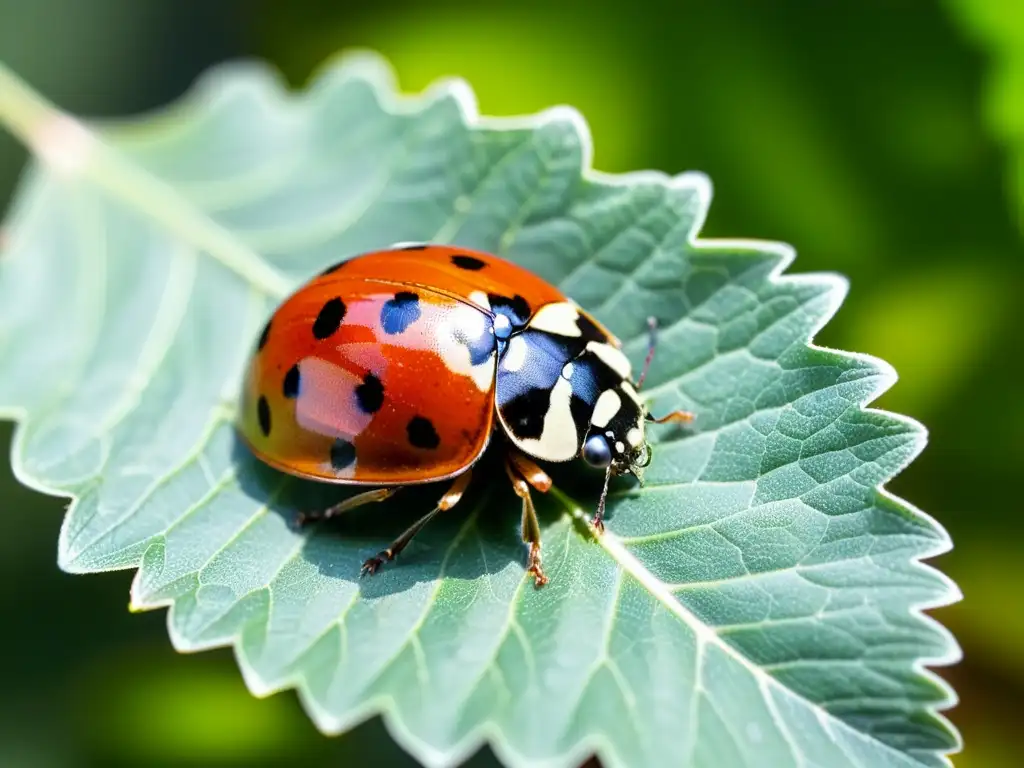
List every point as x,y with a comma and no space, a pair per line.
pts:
620,447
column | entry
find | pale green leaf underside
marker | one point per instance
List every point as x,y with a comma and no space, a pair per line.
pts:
757,603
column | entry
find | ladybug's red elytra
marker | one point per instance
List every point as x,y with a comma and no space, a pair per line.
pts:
400,367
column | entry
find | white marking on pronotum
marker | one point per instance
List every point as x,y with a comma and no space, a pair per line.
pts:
626,387
634,437
611,357
567,371
558,440
607,406
619,446
558,318
480,299
515,355
502,326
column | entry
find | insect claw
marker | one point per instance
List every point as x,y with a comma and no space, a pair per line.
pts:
539,577
374,564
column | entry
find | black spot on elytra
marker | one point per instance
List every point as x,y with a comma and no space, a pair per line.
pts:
263,337
263,412
291,382
370,394
343,453
399,313
329,319
516,309
462,261
422,433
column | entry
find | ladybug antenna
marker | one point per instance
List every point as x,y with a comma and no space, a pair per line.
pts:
652,342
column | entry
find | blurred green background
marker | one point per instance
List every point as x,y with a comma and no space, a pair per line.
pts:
883,138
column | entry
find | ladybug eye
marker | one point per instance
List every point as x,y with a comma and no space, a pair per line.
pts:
596,452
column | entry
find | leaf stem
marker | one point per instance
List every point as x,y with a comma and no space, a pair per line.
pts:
23,110
69,148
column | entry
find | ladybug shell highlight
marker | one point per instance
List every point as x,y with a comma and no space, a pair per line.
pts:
395,367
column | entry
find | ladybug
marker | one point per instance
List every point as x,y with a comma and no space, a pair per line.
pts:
401,366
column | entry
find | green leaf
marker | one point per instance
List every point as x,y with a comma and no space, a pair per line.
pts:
758,602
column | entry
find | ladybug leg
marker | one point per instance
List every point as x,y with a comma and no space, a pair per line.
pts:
530,472
523,473
449,500
676,417
598,519
352,502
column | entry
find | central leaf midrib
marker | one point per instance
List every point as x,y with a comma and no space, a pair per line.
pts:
704,634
